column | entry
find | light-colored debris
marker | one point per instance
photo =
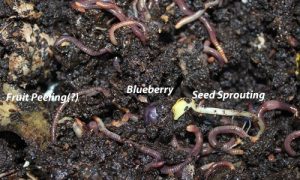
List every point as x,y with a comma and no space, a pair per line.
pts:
6,108
32,50
259,42
26,10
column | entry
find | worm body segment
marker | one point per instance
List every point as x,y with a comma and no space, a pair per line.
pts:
198,138
212,137
273,105
121,24
82,47
214,166
288,140
175,168
212,33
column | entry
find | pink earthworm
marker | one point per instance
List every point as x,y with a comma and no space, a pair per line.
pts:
82,47
288,140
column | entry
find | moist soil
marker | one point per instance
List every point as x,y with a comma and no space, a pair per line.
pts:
260,39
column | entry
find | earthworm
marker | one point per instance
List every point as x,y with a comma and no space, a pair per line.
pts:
81,6
198,138
196,15
183,7
216,166
153,153
213,37
146,150
112,8
112,135
235,152
121,24
206,149
212,136
88,92
189,19
193,152
175,168
96,4
205,167
181,106
233,142
288,140
82,47
230,144
212,33
154,165
213,52
273,105
116,11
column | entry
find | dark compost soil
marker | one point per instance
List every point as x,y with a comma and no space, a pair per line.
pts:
30,63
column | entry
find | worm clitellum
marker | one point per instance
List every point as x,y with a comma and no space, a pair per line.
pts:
193,152
206,148
153,153
196,15
212,33
111,7
189,19
156,163
116,11
83,5
213,52
107,132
